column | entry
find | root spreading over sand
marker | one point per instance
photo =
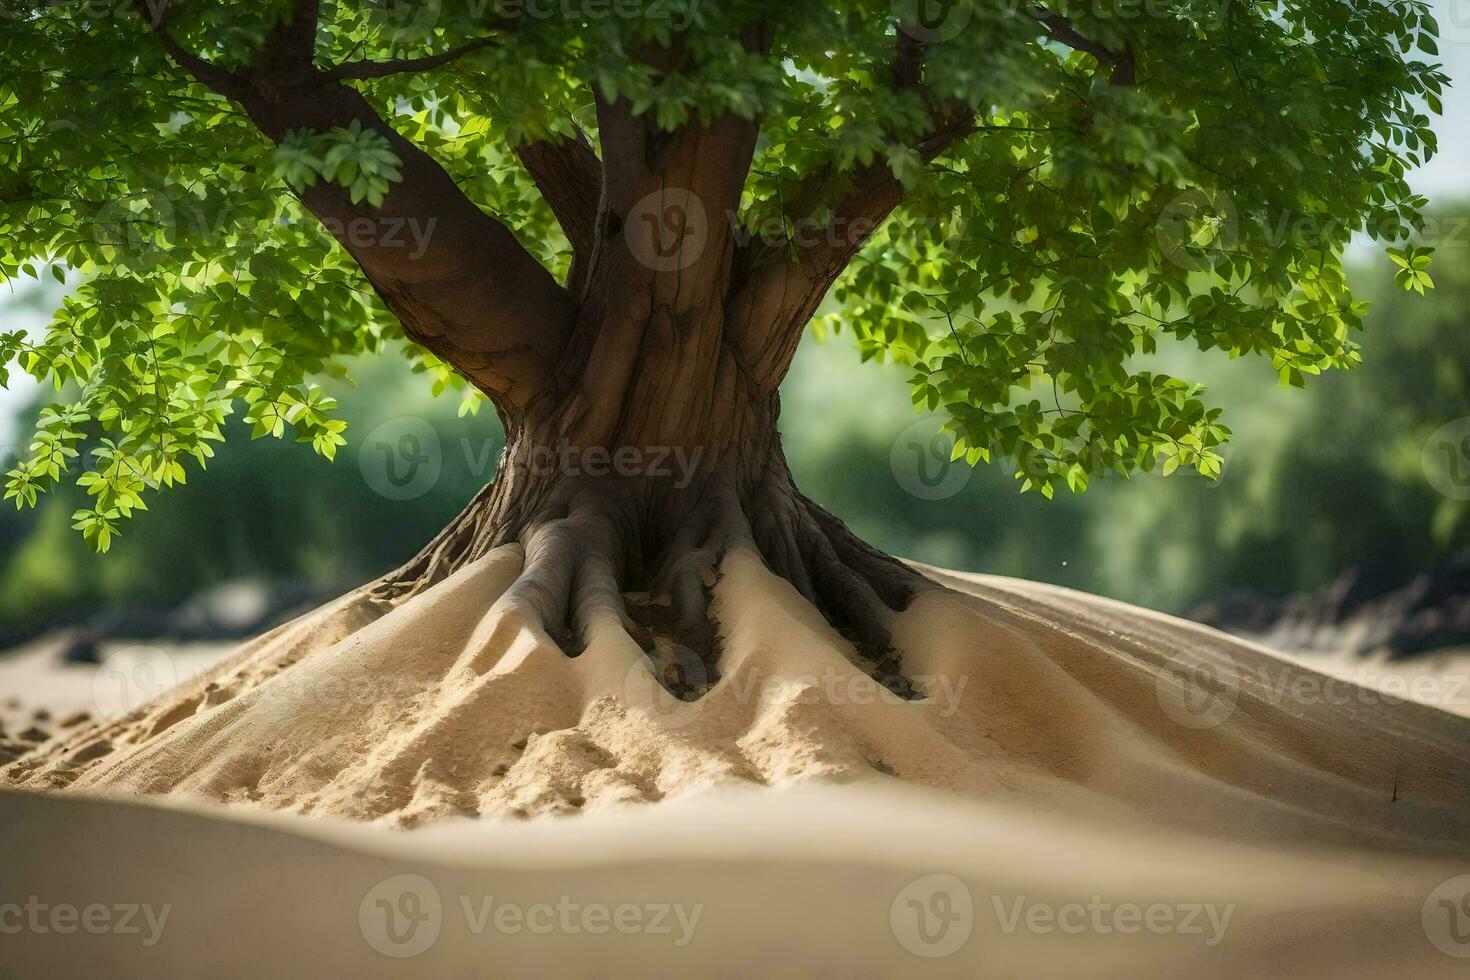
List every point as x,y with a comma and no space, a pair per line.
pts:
456,703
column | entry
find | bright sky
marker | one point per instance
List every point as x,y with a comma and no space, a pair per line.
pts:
1443,180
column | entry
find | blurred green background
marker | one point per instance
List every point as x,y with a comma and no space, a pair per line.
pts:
1315,481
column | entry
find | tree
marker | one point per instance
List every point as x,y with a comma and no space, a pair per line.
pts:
614,221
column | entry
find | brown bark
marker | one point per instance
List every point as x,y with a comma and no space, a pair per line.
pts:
569,176
473,295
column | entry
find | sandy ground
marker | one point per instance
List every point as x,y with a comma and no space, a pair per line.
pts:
801,882
43,694
1085,789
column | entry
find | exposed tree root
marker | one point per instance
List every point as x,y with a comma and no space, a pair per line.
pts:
648,557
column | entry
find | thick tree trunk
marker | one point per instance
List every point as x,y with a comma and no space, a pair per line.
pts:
636,526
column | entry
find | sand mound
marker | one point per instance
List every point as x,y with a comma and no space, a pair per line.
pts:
454,704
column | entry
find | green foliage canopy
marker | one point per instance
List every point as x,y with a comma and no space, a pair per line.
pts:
1124,170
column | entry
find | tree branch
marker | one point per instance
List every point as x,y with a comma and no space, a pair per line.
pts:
569,176
774,297
155,15
1063,31
380,69
457,279
908,59
778,296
